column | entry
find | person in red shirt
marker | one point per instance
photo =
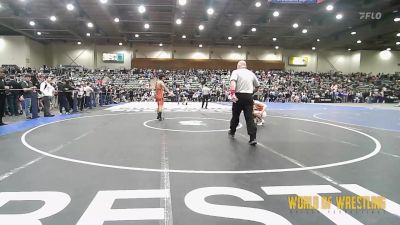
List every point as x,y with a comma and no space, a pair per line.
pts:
160,87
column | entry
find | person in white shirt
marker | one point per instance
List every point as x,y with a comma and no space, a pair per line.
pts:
88,95
48,92
206,95
81,97
242,86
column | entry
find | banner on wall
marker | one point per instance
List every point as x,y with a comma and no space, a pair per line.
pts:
296,1
113,57
298,61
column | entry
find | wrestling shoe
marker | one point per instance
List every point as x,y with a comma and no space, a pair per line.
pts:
253,142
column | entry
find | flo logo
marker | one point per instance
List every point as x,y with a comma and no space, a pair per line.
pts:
370,15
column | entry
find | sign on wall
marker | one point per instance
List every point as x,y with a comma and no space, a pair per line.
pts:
296,1
113,57
298,61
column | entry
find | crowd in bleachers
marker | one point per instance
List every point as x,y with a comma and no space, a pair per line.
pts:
90,88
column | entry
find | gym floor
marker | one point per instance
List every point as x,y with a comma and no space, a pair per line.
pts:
186,170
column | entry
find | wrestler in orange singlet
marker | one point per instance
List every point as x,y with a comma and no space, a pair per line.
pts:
160,87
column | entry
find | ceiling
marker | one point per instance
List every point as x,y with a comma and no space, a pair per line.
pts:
161,15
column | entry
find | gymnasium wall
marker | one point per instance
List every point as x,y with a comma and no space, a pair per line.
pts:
36,54
21,51
71,54
372,62
345,61
25,52
204,64
13,50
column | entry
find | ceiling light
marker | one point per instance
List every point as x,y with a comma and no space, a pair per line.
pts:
349,49
146,26
142,9
276,14
39,33
313,48
295,25
238,23
136,35
304,31
200,45
103,1
183,36
318,40
329,7
87,34
398,43
276,47
388,49
161,44
120,44
353,33
339,16
53,18
229,38
201,27
116,20
398,34
79,43
258,4
70,7
90,25
397,19
253,29
210,11
182,2
178,21
385,55
274,39
239,46
359,42
32,23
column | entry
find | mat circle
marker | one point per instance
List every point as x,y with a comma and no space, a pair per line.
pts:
146,124
377,149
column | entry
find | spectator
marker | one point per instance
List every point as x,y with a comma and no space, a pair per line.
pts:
88,95
28,88
48,92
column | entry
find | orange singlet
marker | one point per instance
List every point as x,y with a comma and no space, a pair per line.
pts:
159,93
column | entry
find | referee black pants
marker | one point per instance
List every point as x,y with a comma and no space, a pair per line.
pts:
205,100
245,103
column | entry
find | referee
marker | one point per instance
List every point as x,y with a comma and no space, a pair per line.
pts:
206,95
243,84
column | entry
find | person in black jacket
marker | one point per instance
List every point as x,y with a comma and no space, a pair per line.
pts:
13,96
62,98
3,87
68,93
